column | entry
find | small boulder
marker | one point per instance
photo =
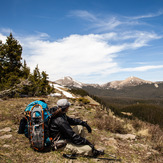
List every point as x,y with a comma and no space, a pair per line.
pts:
55,95
6,136
6,146
126,136
140,146
6,129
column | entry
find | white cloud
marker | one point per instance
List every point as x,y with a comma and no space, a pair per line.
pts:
74,55
81,55
3,38
87,56
142,68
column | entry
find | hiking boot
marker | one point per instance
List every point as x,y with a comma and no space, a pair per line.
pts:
97,153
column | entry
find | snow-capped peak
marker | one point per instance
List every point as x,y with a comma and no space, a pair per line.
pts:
69,82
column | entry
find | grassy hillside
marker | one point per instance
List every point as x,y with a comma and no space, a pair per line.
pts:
144,144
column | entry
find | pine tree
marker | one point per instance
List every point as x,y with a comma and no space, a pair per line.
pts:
12,55
44,83
35,80
1,65
10,62
25,70
39,83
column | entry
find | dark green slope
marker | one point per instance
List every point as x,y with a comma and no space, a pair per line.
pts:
145,91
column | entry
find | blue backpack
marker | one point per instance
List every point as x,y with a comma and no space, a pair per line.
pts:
37,130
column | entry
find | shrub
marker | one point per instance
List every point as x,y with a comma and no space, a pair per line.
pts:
79,91
83,100
137,124
105,122
156,137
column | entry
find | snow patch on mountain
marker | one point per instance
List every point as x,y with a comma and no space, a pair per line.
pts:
60,89
156,85
69,82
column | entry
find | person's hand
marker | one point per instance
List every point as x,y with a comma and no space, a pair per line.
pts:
87,126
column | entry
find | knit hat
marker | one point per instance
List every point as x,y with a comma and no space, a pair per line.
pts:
63,104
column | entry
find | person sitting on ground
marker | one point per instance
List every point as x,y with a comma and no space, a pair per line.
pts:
70,139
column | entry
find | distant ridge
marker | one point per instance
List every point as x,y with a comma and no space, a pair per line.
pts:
130,81
132,87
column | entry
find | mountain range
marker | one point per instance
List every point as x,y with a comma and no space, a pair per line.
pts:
132,87
130,81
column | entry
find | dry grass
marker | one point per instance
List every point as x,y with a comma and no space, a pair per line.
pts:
104,126
18,150
137,124
156,137
104,121
152,133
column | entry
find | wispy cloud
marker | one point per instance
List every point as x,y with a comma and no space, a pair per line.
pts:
108,24
103,24
6,30
151,15
111,22
84,15
142,68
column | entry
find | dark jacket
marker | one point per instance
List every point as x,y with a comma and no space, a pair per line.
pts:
62,124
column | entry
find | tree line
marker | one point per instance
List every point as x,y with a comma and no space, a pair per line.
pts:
13,72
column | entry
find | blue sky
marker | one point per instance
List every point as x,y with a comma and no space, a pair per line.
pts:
93,41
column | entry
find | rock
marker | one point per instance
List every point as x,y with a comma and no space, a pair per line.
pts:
72,109
6,146
6,136
154,151
55,95
149,153
141,146
6,129
104,138
75,107
126,136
